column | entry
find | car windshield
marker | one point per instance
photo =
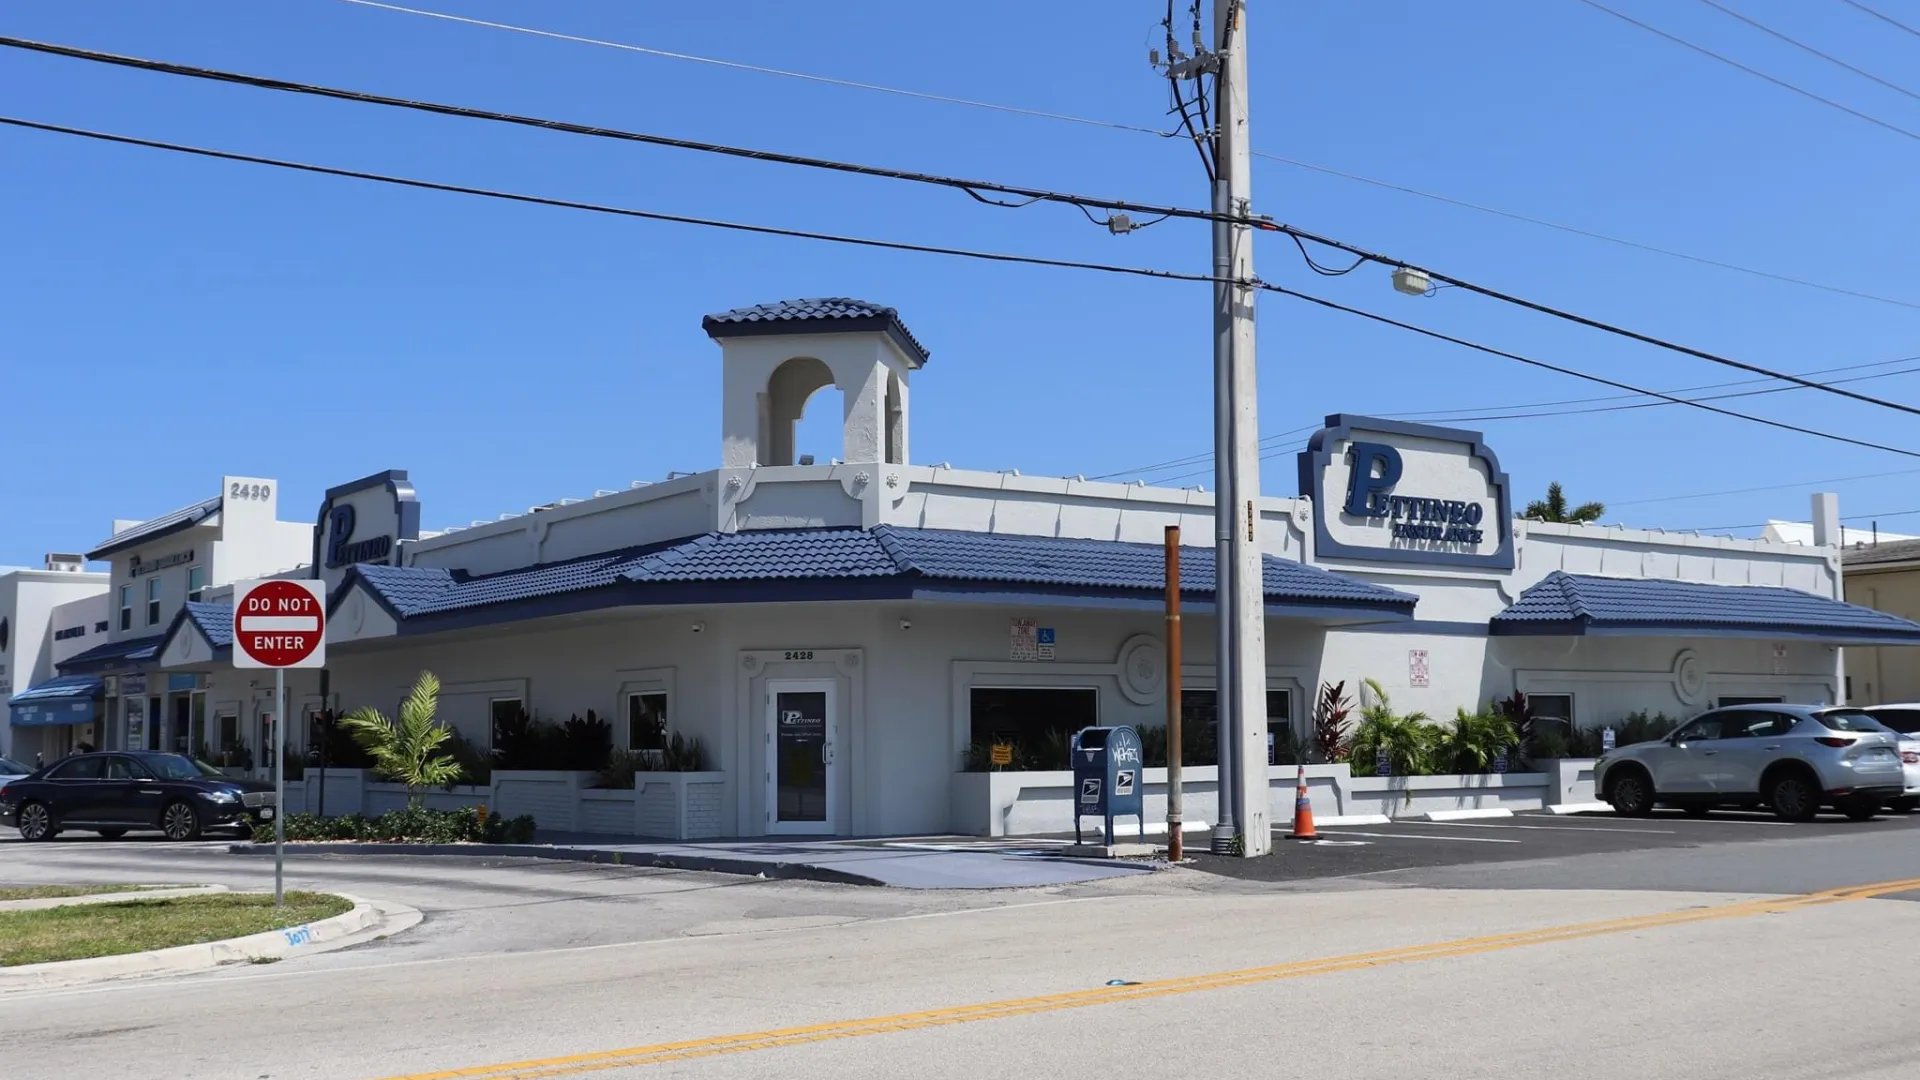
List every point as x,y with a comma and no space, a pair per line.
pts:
1849,720
178,767
10,767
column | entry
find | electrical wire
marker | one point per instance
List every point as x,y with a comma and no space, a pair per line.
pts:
1882,17
1763,487
1804,47
1512,412
1756,72
571,204
1324,271
970,187
1385,185
1173,275
1583,320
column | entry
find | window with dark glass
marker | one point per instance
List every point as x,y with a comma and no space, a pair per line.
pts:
647,721
126,607
196,582
153,600
1200,728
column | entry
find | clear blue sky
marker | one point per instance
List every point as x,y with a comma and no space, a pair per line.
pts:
167,320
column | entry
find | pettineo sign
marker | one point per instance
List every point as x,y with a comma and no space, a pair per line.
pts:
280,624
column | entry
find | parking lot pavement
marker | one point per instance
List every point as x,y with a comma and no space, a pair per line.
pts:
1390,852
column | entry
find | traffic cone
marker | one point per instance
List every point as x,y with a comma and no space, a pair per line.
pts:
1303,810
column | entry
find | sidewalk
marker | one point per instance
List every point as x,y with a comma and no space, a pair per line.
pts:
902,863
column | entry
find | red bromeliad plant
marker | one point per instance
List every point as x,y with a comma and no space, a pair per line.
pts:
1330,714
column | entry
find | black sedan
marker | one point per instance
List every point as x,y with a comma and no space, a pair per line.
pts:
115,793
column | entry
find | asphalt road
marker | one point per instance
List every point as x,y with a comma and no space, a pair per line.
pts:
1673,956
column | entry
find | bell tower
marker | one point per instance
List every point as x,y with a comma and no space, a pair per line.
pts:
776,355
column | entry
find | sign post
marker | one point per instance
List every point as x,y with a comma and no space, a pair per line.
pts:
279,624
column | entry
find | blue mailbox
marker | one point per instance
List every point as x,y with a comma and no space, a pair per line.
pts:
1108,774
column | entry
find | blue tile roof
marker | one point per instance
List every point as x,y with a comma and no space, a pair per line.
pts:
215,621
886,552
127,652
164,525
1578,604
61,687
820,315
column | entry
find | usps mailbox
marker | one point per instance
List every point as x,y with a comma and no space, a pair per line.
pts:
1109,771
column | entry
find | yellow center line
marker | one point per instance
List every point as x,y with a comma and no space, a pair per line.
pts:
574,1064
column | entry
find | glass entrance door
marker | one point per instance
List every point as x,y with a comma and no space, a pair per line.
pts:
800,750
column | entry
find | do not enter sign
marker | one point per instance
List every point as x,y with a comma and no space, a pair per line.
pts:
280,624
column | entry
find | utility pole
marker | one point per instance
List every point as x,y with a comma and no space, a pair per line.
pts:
1223,502
1176,850
1248,687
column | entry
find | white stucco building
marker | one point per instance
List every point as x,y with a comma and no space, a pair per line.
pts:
46,615
845,639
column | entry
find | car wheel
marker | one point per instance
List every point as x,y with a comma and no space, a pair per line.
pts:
1793,797
1903,805
1631,794
1861,809
111,834
36,822
179,822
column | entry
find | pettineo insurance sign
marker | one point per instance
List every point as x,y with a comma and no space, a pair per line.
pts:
280,624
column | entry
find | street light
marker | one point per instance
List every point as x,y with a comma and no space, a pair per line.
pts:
1412,281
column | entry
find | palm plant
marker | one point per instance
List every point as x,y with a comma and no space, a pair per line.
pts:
1405,740
1554,508
408,752
1476,740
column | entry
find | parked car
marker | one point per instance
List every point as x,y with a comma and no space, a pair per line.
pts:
115,793
11,770
1791,759
1905,721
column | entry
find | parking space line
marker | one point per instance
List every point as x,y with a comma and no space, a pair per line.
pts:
1422,836
1552,828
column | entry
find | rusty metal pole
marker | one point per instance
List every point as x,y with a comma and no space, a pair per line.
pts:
1176,847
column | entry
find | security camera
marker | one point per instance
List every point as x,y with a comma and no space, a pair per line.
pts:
699,626
906,624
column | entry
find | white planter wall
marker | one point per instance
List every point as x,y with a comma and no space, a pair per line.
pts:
673,806
1409,796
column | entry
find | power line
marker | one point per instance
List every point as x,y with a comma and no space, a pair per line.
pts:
972,188
1756,72
570,204
1882,17
1804,47
1514,412
1764,524
1544,365
1386,185
1173,275
1762,487
1583,320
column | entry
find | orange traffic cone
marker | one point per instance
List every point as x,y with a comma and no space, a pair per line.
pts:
1303,810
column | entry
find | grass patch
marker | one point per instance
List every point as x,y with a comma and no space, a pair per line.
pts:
51,892
75,933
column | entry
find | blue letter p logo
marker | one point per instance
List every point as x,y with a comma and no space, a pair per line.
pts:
1366,492
340,522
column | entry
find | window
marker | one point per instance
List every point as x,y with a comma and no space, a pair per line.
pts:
85,768
155,720
153,600
196,582
119,768
1727,702
647,721
126,607
1705,729
229,731
1552,707
1904,721
1038,722
504,711
1756,724
1200,728
1848,720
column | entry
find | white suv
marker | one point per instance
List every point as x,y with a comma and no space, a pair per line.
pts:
1905,720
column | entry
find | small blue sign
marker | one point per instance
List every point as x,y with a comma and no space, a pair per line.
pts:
1382,764
1500,763
1606,740
1043,635
177,682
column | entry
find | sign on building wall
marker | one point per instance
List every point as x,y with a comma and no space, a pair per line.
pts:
1419,673
1387,491
364,521
1029,642
1779,659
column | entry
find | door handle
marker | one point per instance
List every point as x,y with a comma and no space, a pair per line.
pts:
150,791
826,753
1774,746
1709,753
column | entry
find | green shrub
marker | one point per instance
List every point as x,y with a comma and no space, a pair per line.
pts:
1474,742
579,745
415,824
1408,741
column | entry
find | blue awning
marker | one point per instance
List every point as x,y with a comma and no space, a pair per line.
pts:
1584,605
68,699
125,653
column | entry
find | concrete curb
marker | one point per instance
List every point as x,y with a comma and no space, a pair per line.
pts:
270,945
786,871
1581,808
109,898
1468,815
1353,819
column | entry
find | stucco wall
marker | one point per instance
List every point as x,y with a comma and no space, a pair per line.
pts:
1889,673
